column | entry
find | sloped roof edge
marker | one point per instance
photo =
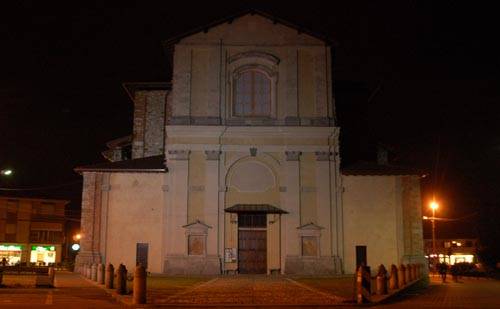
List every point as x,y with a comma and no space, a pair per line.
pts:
230,18
154,164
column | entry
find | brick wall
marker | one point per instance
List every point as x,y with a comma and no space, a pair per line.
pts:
149,123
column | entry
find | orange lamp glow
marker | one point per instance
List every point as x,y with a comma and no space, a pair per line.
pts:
434,205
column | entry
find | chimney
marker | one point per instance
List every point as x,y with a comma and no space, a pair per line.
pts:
382,155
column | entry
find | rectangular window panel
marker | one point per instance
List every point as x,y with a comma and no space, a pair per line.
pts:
196,245
252,94
309,246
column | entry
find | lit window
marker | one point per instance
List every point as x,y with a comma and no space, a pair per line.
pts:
252,94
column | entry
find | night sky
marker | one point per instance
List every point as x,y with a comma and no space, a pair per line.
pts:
421,78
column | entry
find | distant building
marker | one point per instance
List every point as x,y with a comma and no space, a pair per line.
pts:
235,166
453,250
32,230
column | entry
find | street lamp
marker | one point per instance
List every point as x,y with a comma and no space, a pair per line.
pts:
6,172
434,205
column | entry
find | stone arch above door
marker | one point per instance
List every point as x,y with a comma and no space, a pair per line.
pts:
251,175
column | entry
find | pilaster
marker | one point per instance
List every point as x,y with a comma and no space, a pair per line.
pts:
211,208
323,200
292,202
178,166
90,219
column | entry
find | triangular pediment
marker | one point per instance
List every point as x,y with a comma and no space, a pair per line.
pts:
197,228
310,226
251,25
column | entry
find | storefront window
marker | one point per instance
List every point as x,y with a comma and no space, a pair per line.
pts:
11,253
43,255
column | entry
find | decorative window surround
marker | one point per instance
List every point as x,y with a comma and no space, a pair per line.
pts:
309,239
257,61
196,236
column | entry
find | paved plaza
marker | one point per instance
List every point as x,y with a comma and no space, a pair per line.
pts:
467,293
252,290
73,291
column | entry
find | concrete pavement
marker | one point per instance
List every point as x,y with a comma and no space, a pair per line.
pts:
71,291
467,293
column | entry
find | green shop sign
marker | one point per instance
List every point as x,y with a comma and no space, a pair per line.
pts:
5,247
43,248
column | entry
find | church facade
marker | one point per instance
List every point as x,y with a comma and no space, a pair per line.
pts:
235,167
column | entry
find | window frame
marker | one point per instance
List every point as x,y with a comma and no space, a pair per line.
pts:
253,93
251,61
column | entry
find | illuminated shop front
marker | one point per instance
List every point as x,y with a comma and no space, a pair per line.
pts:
11,253
453,258
43,255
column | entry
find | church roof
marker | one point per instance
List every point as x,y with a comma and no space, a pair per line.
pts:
143,165
256,208
132,87
374,169
168,43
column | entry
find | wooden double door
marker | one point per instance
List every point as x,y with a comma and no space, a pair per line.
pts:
252,243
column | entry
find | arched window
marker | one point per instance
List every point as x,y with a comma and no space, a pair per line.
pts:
252,94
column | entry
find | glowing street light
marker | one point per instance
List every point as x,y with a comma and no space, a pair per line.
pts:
77,236
6,172
434,205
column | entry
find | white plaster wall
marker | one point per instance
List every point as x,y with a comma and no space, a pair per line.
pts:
135,212
370,219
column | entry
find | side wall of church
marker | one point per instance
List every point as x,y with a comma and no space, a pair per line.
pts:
412,220
120,210
371,217
383,213
135,213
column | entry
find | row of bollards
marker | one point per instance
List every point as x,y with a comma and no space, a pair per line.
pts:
106,276
399,277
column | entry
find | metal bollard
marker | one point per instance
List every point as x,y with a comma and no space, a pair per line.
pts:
410,272
401,276
121,280
52,275
414,272
407,274
382,280
140,287
393,280
93,272
363,284
100,273
110,276
86,270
